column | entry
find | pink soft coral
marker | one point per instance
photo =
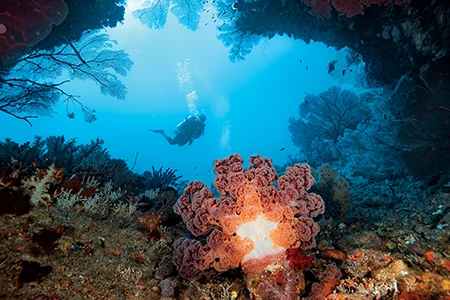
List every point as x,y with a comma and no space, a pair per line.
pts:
347,8
252,223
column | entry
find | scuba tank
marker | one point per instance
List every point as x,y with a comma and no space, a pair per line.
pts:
183,124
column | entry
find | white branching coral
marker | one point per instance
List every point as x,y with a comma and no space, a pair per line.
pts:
124,209
105,202
38,186
90,182
150,194
66,200
129,273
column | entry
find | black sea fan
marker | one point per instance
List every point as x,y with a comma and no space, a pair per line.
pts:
159,179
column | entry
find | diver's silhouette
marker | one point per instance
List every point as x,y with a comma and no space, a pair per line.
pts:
187,131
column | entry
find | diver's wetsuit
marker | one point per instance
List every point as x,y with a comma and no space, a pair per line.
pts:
187,131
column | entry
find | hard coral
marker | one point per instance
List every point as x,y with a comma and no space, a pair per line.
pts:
252,223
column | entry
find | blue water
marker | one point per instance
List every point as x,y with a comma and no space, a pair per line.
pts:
247,103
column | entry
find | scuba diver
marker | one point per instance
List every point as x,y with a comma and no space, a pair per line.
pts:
190,129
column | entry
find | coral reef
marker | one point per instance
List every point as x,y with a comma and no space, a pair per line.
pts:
87,180
356,133
252,223
20,161
92,239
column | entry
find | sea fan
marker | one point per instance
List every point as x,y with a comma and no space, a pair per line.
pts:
154,15
241,42
187,12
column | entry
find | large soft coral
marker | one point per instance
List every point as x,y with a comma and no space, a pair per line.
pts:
252,223
24,23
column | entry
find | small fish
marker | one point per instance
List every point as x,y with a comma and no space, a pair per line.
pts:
300,61
343,72
195,168
306,67
282,149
